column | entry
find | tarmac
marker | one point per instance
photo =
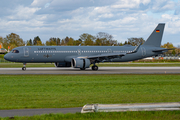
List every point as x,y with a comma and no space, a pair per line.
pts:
32,112
102,70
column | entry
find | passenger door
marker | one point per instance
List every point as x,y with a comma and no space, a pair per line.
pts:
26,52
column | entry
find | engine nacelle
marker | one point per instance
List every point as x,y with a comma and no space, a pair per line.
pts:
62,64
80,63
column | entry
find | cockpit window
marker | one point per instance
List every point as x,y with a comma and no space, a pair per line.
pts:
15,51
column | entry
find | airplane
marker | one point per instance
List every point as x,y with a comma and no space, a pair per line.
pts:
83,56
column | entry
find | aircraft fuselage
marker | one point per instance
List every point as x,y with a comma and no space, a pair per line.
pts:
36,54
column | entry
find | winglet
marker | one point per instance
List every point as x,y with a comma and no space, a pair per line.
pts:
136,49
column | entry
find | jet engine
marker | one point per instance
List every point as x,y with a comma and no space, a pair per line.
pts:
81,63
62,64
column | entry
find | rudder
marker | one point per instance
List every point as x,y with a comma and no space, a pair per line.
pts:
156,36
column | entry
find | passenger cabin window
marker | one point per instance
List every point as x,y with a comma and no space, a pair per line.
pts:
15,51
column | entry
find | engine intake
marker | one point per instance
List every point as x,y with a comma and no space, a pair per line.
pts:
80,63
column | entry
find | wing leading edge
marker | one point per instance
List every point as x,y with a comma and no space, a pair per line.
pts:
112,55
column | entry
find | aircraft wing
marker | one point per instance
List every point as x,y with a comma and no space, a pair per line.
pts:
113,55
108,55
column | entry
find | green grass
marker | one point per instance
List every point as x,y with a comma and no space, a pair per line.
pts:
150,115
139,64
60,91
1,56
19,65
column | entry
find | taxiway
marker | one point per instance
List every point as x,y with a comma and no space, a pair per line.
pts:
32,112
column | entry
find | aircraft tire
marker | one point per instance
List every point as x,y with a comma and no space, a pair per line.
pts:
24,68
95,68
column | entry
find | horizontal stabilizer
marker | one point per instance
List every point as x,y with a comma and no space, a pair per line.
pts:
161,50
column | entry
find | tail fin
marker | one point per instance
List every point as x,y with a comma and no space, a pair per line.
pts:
156,36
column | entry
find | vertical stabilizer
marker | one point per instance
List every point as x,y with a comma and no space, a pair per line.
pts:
156,36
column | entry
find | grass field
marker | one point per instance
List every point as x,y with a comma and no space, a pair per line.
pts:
59,91
150,115
19,65
168,64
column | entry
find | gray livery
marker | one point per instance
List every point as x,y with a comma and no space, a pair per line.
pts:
83,56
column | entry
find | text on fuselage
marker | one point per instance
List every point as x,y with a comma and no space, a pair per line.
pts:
46,48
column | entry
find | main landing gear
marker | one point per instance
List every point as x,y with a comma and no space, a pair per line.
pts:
94,67
24,66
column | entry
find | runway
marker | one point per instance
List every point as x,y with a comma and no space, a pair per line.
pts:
102,70
32,112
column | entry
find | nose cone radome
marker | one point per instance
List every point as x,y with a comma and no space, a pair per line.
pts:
6,57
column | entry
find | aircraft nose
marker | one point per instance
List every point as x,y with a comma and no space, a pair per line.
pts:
6,57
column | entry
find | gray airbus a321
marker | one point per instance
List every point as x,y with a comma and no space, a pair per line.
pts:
83,56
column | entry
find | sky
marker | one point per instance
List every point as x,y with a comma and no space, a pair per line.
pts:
60,18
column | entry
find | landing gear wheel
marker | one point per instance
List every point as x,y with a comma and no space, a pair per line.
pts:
24,68
95,67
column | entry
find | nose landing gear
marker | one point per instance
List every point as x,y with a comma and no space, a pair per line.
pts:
24,66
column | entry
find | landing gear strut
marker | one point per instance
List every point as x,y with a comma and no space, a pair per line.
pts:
24,66
82,68
94,67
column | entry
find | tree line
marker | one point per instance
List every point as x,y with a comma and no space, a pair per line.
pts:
100,39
